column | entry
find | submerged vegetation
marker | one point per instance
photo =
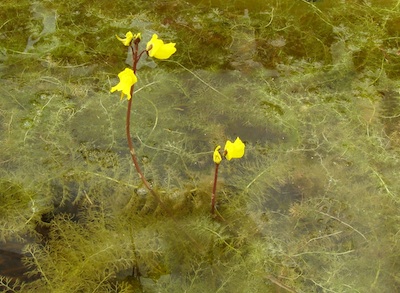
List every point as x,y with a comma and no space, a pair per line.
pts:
311,87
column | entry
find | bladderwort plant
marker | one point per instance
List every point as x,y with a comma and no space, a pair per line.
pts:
154,48
232,150
157,49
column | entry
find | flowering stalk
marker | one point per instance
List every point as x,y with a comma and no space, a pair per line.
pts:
135,60
155,48
214,190
232,150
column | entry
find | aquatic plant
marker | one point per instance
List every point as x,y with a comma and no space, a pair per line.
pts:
232,150
157,49
310,86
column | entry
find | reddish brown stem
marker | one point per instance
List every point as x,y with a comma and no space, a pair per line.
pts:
136,58
214,194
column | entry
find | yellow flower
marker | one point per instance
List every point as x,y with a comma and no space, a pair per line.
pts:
127,79
128,38
234,150
156,48
217,156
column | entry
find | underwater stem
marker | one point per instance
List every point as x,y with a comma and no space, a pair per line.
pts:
131,148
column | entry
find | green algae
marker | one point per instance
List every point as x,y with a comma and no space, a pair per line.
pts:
312,89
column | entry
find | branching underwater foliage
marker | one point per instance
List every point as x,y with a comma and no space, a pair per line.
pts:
310,86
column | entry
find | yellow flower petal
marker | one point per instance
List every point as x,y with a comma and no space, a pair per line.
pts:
128,38
127,79
153,45
217,156
234,150
157,49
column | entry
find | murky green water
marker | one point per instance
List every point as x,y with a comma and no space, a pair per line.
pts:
313,90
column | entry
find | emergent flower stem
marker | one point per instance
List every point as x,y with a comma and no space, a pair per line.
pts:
214,190
136,58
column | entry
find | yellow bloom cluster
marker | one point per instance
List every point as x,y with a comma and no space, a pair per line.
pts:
232,150
155,48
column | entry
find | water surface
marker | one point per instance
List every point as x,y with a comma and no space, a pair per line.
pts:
311,87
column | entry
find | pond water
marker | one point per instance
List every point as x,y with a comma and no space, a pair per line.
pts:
311,87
